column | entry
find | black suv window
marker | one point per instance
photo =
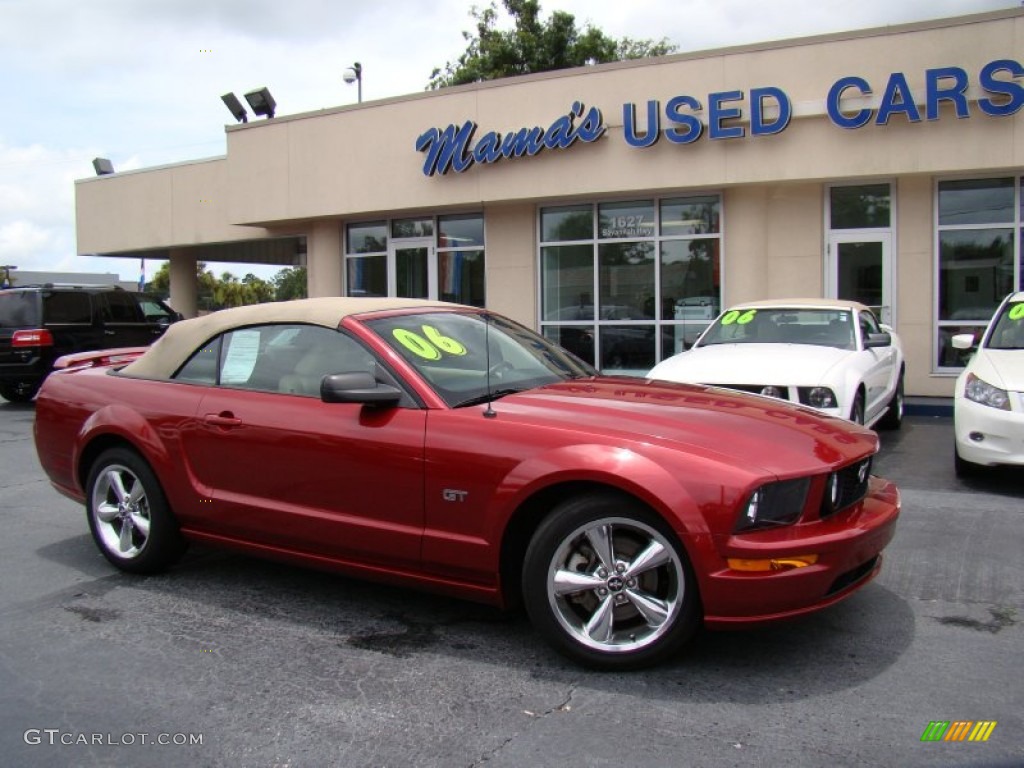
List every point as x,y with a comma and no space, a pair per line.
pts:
65,307
120,307
19,309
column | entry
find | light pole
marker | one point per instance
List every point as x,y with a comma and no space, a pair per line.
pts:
6,283
354,74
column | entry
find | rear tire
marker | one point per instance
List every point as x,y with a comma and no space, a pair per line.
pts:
21,392
607,583
128,513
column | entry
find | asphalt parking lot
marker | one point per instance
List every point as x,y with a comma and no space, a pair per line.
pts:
233,661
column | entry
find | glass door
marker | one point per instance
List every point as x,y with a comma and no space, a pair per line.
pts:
412,268
860,268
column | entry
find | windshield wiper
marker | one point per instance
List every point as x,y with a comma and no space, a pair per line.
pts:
487,397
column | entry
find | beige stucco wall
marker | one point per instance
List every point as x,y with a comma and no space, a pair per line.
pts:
311,174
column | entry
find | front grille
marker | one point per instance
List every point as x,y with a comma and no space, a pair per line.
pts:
845,487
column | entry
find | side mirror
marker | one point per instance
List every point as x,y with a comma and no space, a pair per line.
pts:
878,340
962,341
357,387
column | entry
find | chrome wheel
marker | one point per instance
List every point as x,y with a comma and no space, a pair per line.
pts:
616,585
128,513
612,588
121,510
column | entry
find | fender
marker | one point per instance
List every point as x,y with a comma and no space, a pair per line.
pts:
127,424
620,468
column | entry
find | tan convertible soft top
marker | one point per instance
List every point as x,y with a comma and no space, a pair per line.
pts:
183,338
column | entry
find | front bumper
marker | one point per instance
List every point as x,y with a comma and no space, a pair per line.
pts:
849,551
998,436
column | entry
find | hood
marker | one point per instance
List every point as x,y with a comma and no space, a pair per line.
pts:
1003,368
745,431
792,364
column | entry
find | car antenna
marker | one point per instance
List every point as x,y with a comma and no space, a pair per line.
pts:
489,412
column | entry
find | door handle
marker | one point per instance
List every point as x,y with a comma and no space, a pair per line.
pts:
225,419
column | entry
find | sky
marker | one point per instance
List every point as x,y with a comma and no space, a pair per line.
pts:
139,81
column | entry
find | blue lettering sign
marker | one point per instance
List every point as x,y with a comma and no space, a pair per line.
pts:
897,98
835,95
1013,92
692,127
450,149
718,114
758,98
955,92
629,125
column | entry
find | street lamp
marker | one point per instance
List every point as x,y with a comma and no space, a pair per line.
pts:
6,283
354,74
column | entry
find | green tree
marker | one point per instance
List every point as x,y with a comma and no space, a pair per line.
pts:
290,283
214,292
535,45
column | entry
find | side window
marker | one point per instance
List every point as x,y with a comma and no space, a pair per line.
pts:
67,307
201,368
120,307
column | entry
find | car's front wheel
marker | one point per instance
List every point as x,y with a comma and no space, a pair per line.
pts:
857,409
608,584
893,416
129,517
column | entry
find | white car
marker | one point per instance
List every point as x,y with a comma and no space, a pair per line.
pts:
831,355
988,404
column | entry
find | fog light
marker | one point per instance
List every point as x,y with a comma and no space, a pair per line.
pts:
976,437
772,564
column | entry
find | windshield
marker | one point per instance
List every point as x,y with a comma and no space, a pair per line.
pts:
448,349
825,327
1008,329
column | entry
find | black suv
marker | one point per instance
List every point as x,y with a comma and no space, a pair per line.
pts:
40,323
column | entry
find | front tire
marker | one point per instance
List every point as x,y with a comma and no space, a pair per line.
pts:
893,417
857,409
128,513
606,582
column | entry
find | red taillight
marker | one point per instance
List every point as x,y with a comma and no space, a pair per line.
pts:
39,337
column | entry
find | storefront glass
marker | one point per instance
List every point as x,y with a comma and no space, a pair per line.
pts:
979,257
646,283
413,262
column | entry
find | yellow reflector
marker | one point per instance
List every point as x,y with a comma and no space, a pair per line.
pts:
774,564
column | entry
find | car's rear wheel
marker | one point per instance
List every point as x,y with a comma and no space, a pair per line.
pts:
607,583
19,392
893,417
129,517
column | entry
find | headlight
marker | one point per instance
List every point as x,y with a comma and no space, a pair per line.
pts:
774,504
818,397
980,391
772,391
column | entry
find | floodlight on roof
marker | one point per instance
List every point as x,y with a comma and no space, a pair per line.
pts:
235,107
102,166
261,101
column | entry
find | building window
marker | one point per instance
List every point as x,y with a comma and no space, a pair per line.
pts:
625,284
438,257
979,257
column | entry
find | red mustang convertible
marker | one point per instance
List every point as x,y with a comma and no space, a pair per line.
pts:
445,447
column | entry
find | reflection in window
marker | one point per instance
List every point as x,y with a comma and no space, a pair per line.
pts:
368,276
461,277
979,258
567,223
653,261
859,207
371,237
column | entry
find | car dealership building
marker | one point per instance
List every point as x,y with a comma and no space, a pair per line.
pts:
616,208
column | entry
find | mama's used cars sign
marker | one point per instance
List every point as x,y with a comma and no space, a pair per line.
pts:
727,115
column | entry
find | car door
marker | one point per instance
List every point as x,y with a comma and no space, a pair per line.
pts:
879,374
286,470
123,323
